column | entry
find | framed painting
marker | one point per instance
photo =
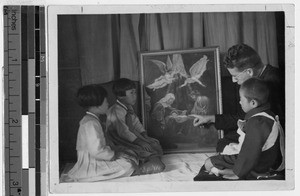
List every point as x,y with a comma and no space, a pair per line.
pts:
176,86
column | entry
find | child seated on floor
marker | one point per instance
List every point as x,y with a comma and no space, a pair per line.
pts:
261,144
96,160
125,129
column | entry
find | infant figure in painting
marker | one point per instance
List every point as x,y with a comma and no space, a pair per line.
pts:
96,159
125,129
163,111
261,145
160,109
163,116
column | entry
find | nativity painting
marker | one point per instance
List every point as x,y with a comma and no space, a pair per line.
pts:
177,85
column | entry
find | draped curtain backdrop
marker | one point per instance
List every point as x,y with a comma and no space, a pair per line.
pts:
107,46
102,48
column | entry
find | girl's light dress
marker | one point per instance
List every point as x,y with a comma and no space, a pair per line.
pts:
94,156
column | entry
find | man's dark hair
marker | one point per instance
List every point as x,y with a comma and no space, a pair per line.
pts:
242,56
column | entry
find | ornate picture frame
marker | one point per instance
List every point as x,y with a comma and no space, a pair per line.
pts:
175,86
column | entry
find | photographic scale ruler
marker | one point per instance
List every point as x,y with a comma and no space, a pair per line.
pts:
25,98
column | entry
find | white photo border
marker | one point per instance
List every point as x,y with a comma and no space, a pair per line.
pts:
105,187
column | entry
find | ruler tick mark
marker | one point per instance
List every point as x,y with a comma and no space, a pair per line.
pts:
13,83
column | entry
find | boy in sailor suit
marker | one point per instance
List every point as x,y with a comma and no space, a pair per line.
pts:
261,143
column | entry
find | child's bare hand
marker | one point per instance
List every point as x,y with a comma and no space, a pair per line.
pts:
146,146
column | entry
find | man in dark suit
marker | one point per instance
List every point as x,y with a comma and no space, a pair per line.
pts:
243,63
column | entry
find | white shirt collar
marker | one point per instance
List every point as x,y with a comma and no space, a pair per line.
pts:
119,102
92,114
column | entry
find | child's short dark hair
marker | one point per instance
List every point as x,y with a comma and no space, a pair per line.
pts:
242,56
257,89
121,85
91,95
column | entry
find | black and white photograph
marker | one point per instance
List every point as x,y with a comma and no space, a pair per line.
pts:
178,85
169,98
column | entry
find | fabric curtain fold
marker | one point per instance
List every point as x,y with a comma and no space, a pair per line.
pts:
175,31
259,32
109,45
95,48
129,46
221,29
266,38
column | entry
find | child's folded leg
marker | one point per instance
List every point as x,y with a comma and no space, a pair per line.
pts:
208,171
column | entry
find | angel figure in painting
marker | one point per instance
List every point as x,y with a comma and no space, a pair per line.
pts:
201,105
170,71
196,71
